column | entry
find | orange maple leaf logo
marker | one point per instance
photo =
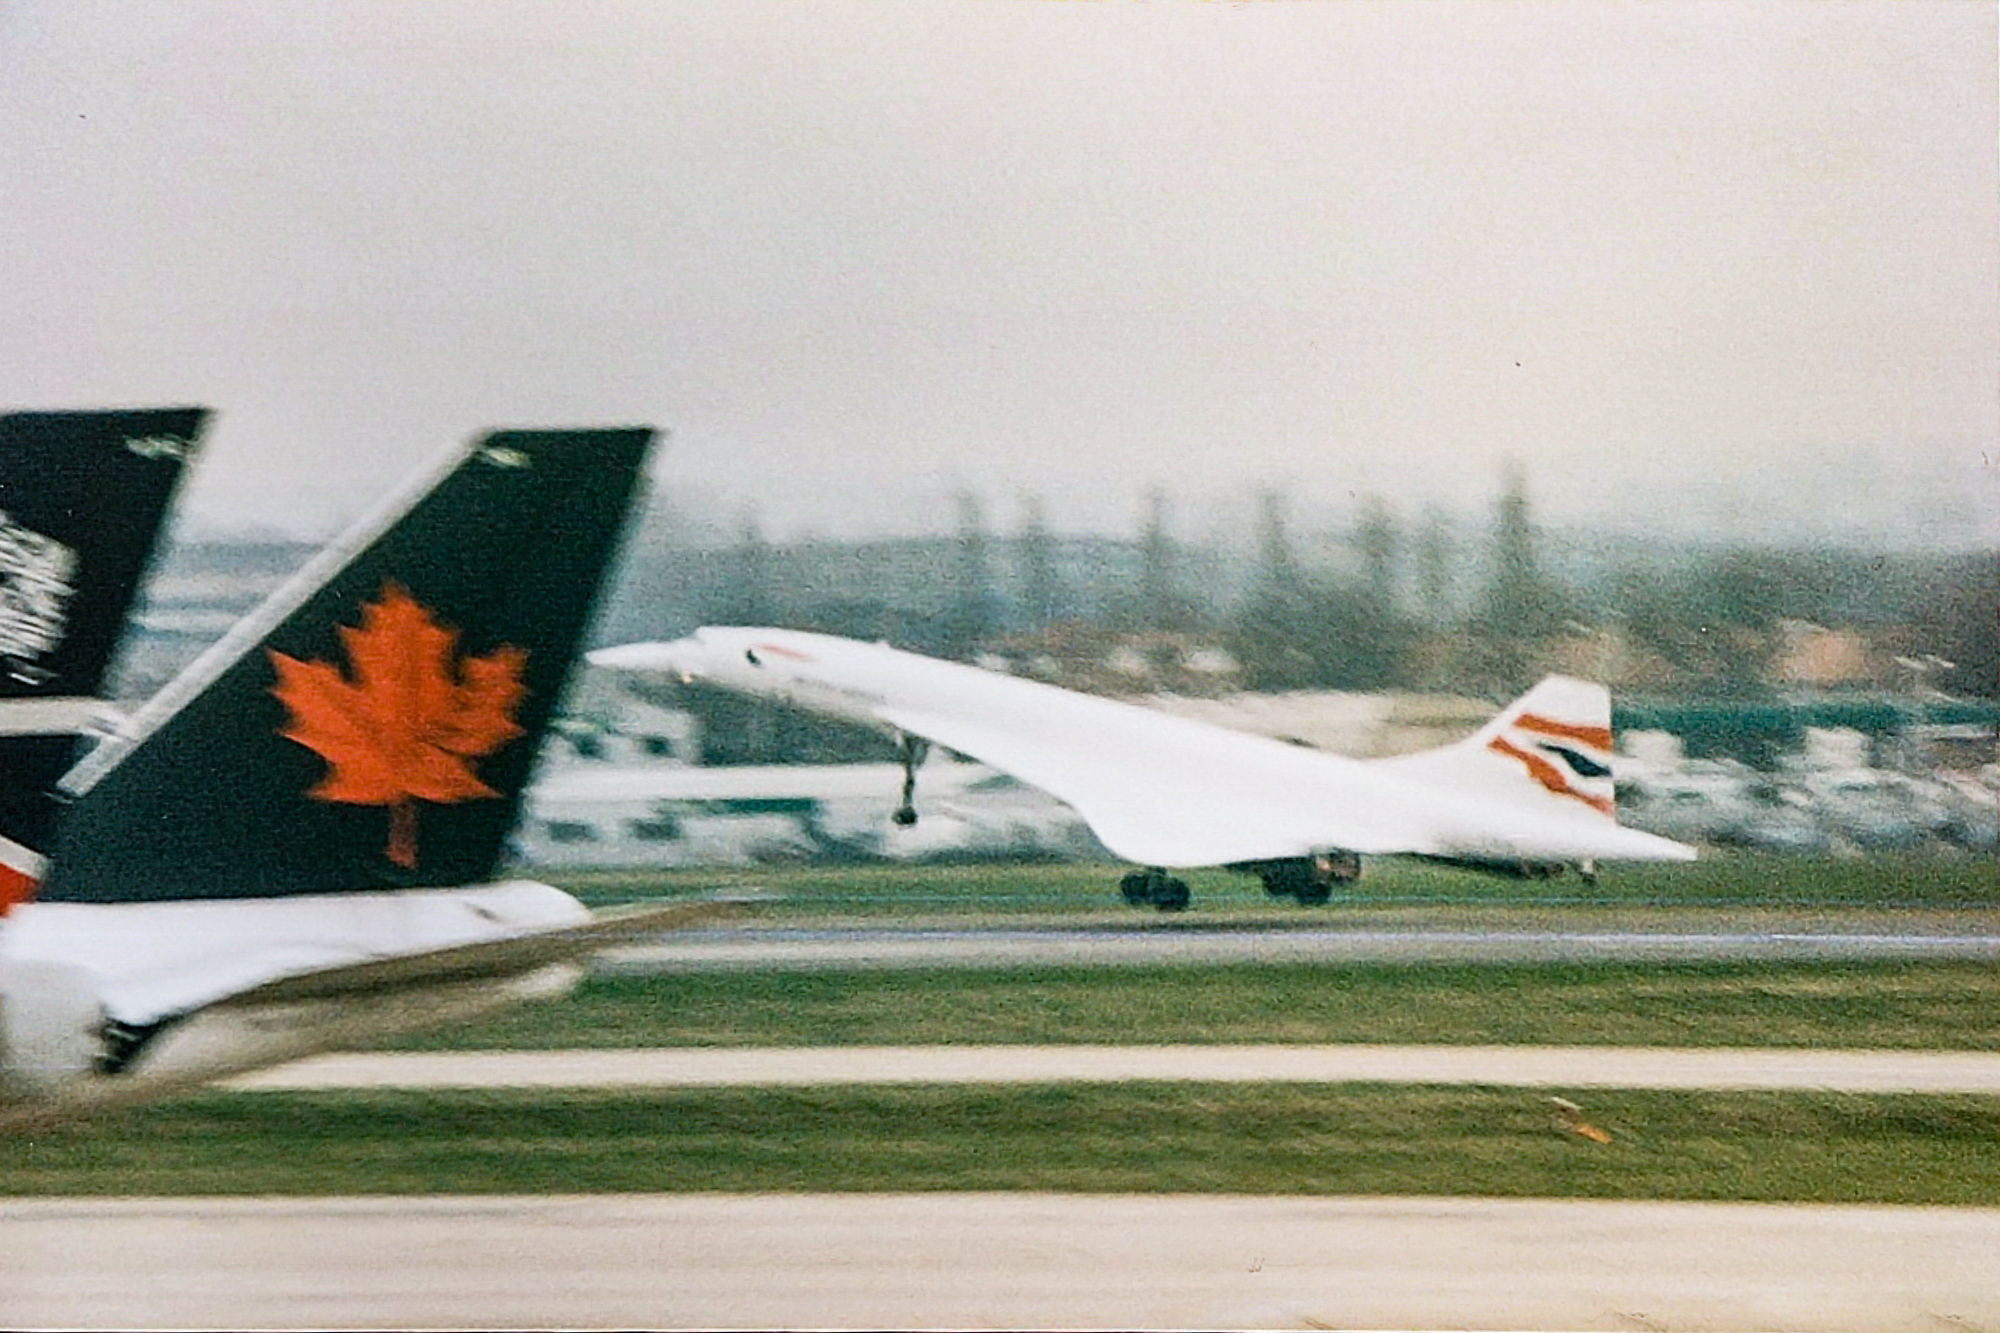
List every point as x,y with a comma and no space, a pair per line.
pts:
410,723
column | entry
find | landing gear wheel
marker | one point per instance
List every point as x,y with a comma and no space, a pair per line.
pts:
1171,894
1307,882
1276,882
1319,876
1313,891
1156,888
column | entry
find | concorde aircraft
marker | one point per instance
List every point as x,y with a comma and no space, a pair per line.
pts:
1529,794
294,845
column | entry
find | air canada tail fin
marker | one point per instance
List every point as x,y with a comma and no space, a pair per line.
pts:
372,725
1550,746
82,496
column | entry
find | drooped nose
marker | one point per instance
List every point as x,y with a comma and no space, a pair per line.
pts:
679,656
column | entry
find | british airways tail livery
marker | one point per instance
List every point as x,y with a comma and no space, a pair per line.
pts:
1529,794
82,497
294,845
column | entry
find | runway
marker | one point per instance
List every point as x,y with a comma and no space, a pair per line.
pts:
1557,1067
993,1260
1964,936
1058,1261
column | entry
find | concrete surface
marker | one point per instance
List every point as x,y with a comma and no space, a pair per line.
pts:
1520,1066
993,1260
1154,941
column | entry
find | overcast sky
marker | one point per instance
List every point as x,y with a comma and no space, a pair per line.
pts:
1715,267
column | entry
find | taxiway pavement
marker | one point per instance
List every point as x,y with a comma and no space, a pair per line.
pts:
992,1260
1154,943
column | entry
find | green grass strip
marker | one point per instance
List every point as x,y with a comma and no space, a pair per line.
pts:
1901,1005
1145,1137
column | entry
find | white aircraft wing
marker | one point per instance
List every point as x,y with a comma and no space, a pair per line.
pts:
1165,791
1202,801
510,955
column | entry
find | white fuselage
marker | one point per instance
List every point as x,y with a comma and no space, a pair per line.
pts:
75,976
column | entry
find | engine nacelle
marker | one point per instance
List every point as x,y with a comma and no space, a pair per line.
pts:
51,1028
1503,868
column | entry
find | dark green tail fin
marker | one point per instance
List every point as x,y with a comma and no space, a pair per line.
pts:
82,496
373,724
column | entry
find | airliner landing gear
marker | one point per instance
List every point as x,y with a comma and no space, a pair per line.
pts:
912,750
1155,888
1308,880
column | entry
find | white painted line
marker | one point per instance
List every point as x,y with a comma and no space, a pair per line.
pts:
1507,1066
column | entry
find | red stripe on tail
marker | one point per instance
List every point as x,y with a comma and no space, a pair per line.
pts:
1599,737
1551,777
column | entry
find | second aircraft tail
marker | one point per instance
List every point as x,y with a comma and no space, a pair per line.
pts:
82,498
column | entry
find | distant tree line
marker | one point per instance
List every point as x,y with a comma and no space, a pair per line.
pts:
1711,624
1392,610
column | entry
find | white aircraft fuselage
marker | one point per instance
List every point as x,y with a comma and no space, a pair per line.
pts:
89,980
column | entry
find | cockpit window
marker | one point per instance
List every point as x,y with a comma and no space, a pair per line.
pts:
750,656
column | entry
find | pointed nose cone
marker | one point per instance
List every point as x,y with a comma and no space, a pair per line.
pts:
678,655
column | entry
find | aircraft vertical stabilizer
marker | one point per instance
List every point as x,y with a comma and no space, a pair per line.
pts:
1550,747
372,726
82,496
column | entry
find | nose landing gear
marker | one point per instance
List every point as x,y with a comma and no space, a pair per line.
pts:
912,750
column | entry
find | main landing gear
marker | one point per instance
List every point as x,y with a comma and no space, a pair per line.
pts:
1308,880
1154,887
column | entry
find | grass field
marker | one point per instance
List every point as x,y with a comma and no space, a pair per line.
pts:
1155,1137
1953,1005
1927,881
1145,1137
